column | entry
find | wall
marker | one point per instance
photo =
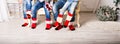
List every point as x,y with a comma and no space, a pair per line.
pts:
88,5
12,1
15,8
107,3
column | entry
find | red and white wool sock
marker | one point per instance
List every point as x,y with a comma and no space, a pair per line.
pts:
58,22
28,14
71,26
69,17
48,24
34,23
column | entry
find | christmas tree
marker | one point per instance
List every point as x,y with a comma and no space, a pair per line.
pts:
107,13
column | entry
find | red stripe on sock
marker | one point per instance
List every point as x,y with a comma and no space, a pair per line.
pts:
48,19
66,23
56,24
34,19
60,15
70,14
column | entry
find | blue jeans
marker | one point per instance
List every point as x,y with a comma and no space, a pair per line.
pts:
59,5
56,7
37,6
70,5
27,5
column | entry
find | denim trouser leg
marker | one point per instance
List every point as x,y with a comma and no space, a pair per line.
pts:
72,10
65,7
24,11
57,6
27,5
36,7
47,13
73,18
72,7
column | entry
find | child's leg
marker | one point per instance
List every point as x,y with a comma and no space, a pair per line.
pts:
56,7
48,18
28,8
35,8
26,12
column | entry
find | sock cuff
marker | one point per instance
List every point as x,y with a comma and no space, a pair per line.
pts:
60,15
59,19
48,21
28,12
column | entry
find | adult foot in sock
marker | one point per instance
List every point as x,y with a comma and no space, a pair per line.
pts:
71,27
33,25
48,26
66,23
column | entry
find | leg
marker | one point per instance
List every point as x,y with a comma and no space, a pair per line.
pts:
60,16
56,7
28,8
48,18
70,16
26,12
35,8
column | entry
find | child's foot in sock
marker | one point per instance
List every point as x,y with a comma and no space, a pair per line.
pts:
48,26
25,24
33,25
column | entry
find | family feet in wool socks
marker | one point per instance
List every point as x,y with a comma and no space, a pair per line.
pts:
57,24
65,25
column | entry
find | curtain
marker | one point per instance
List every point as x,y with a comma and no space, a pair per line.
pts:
4,13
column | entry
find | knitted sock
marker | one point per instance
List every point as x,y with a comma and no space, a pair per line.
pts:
26,22
69,17
48,24
71,26
59,20
34,23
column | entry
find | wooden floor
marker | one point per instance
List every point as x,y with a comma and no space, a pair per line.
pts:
92,31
